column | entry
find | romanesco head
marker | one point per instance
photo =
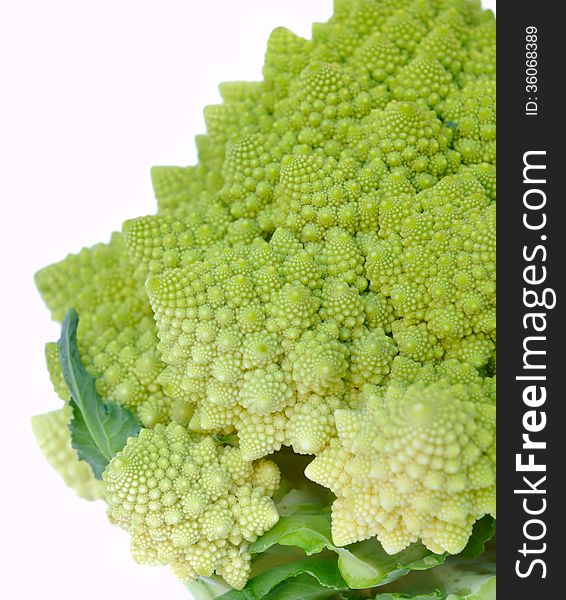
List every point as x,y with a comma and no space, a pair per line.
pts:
190,503
419,461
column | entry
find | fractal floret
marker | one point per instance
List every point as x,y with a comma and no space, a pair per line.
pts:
54,439
310,312
419,461
190,503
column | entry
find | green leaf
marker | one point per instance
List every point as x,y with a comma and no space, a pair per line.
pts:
486,591
325,575
303,587
98,429
207,588
304,522
458,579
366,564
308,532
483,531
467,580
302,502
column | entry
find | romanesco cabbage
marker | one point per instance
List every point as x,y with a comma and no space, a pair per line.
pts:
323,280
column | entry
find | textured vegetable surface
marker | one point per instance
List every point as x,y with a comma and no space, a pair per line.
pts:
320,290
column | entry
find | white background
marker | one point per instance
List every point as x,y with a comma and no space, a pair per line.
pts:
93,94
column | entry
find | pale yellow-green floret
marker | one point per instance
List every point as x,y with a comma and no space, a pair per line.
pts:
54,438
190,502
249,348
117,336
419,461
